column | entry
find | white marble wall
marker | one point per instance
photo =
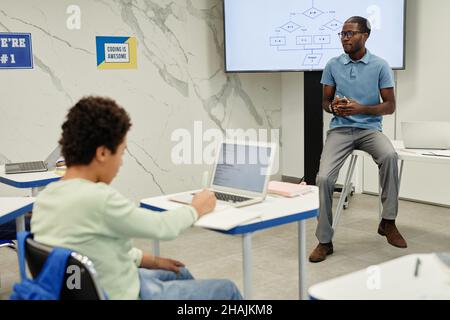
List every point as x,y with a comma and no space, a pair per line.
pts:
179,80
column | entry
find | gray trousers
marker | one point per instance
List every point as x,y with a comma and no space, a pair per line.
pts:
339,144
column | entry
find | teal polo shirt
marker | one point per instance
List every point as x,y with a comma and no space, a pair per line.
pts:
361,81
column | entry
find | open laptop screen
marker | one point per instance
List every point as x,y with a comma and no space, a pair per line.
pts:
242,167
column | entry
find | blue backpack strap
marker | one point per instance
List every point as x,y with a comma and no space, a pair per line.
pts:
52,273
22,237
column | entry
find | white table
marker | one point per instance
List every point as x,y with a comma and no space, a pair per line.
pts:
275,211
403,155
33,181
392,280
15,208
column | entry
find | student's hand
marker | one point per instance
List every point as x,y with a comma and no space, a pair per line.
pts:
168,264
349,109
204,202
151,262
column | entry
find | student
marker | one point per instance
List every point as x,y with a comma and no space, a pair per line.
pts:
83,213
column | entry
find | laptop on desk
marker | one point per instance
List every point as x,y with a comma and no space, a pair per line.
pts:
25,167
426,135
241,173
34,166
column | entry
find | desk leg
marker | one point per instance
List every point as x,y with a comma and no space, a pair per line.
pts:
302,260
380,203
247,260
20,223
155,248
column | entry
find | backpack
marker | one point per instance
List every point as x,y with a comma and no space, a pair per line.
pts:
47,285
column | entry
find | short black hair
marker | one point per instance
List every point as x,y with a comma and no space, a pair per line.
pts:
363,23
91,123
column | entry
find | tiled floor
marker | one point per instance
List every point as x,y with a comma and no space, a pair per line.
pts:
275,268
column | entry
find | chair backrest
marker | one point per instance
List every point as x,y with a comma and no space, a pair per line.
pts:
36,254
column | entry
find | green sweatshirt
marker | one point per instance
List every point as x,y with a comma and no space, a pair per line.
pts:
95,220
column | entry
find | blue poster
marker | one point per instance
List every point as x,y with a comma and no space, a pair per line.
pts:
15,51
116,52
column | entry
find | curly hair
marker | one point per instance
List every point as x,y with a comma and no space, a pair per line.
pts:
91,123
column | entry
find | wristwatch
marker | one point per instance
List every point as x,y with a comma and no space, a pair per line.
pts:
330,108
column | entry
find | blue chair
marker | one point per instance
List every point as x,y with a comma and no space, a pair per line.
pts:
37,253
7,244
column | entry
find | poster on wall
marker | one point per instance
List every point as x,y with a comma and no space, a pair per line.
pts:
116,53
15,51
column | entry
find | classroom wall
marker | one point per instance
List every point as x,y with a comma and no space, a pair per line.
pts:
179,80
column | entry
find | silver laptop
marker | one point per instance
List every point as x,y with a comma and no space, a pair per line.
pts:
426,135
34,166
241,173
25,167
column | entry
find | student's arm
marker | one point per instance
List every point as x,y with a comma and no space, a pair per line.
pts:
137,255
122,218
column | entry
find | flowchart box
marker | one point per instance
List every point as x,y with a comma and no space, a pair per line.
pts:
303,40
277,41
312,59
322,39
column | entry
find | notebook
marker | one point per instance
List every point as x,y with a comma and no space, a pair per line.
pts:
286,189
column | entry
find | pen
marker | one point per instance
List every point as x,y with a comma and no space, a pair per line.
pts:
416,271
432,154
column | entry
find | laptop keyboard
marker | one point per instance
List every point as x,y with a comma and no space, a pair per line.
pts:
24,167
230,197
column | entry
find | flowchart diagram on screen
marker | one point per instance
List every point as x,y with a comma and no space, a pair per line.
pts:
313,32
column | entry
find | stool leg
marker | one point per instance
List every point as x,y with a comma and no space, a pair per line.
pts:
380,204
344,192
400,176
